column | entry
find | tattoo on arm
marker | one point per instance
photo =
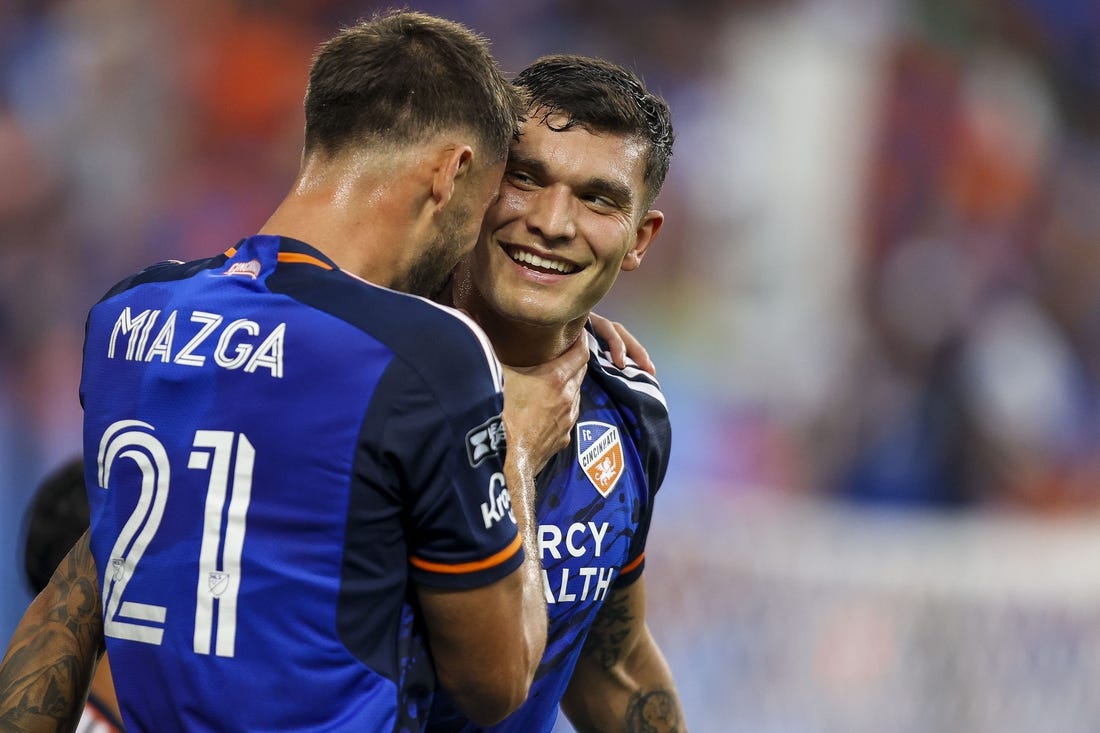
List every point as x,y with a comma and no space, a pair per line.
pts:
652,712
610,630
48,668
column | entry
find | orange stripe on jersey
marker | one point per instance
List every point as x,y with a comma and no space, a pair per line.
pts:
633,564
290,257
303,259
469,567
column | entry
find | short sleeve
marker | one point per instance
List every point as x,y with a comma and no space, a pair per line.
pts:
444,438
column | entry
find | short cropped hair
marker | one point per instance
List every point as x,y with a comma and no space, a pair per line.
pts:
402,77
55,520
604,97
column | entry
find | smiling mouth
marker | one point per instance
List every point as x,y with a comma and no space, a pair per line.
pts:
540,264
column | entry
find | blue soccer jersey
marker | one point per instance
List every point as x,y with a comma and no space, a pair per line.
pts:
278,453
595,501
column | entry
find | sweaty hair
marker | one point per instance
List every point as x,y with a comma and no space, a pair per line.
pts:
603,97
401,77
55,520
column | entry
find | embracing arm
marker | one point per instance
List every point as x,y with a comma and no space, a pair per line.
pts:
622,683
487,642
48,668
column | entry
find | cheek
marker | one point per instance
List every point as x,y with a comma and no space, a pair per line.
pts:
610,243
510,205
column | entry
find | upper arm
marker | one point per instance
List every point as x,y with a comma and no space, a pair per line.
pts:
443,452
617,630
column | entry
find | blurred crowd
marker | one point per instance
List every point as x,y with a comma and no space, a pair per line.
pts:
880,273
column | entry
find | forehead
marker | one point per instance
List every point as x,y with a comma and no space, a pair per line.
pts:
578,154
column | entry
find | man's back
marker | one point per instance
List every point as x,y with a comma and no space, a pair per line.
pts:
260,508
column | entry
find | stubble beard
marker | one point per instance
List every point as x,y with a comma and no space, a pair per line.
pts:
429,274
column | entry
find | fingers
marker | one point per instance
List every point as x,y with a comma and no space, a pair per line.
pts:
635,349
542,402
607,330
621,344
577,355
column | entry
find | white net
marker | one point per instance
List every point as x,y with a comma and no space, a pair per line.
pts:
794,616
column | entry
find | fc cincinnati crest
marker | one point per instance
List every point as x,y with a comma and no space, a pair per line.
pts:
600,453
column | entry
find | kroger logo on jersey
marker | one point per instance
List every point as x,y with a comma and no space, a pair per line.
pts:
499,505
600,454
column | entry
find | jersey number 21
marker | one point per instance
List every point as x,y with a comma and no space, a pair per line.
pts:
219,577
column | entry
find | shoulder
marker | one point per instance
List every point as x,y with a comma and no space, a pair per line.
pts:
165,271
637,397
440,344
630,387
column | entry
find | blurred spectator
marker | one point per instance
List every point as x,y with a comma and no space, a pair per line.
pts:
880,277
57,517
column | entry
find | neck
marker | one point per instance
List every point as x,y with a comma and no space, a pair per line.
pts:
516,343
350,212
525,344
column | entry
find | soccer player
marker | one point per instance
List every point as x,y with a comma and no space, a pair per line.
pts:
574,211
297,473
57,517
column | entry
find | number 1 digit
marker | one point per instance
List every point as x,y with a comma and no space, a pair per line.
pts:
220,582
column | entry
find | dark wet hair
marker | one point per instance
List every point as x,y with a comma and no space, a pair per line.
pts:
604,97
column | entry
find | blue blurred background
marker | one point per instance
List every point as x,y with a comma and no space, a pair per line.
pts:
875,309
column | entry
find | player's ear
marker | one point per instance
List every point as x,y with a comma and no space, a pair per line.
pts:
647,230
453,163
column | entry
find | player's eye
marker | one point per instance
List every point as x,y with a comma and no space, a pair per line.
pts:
520,178
601,202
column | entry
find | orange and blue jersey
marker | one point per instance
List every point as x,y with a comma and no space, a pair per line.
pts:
595,502
279,454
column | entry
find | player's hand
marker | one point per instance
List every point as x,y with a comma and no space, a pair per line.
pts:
622,344
542,403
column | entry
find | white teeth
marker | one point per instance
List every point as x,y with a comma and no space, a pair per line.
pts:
533,259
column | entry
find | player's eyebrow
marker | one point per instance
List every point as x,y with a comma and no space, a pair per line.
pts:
614,190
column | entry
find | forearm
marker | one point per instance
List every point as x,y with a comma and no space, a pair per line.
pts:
635,694
621,683
521,487
48,668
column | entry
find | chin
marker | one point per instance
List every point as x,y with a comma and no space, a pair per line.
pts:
530,314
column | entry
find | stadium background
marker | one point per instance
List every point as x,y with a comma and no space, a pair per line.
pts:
874,309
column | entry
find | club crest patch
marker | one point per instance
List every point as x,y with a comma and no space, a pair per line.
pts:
600,454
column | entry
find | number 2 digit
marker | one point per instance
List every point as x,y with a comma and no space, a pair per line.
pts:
219,574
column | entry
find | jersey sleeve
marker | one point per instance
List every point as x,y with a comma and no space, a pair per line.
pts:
656,443
444,437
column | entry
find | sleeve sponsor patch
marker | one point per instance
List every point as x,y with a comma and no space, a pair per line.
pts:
485,440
